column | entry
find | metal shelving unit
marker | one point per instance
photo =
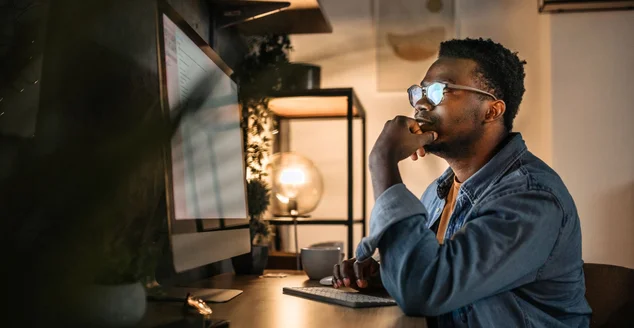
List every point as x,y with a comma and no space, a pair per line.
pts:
327,104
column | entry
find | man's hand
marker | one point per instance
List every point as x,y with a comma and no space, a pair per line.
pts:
420,152
356,274
401,137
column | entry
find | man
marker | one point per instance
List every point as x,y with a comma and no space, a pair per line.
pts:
496,240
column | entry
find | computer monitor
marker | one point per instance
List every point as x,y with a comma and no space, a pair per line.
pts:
205,170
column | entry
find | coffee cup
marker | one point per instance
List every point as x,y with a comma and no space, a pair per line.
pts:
318,262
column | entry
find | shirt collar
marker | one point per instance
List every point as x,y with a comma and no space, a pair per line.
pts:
514,146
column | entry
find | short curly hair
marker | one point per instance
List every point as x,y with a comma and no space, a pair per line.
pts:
500,70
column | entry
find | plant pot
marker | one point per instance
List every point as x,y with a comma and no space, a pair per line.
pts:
111,305
251,263
300,76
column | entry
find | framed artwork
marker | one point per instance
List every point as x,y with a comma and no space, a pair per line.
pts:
408,34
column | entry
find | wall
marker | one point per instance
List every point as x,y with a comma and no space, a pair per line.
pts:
518,26
348,59
593,140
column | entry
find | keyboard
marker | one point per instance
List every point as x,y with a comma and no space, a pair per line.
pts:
338,296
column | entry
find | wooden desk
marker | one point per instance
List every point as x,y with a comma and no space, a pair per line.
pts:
262,304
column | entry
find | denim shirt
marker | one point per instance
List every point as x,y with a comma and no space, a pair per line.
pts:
512,251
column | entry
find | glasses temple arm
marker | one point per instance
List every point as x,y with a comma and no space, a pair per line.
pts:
462,87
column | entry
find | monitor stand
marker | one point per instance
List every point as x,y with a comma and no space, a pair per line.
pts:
179,294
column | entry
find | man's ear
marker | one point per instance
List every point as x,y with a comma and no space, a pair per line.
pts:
495,111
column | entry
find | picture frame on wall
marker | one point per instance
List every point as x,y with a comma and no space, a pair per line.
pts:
409,33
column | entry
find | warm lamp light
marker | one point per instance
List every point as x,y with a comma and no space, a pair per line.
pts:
296,185
296,188
293,176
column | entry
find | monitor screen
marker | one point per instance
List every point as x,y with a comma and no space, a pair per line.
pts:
206,187
207,148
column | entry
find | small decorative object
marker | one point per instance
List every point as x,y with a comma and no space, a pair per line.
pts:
197,304
297,187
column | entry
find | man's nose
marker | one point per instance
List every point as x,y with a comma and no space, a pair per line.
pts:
423,105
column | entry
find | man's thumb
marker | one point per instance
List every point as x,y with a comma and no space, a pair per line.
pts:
427,137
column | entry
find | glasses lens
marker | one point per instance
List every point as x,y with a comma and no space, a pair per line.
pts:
415,94
435,93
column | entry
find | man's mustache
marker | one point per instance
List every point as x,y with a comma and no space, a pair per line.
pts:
425,119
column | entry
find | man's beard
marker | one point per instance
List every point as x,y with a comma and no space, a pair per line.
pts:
458,147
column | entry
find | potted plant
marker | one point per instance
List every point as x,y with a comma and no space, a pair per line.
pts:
260,72
127,241
260,230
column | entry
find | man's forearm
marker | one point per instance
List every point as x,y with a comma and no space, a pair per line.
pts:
502,249
384,173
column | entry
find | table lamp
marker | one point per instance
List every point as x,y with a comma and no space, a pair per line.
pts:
296,188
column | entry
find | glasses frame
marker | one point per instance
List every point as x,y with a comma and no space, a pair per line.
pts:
446,85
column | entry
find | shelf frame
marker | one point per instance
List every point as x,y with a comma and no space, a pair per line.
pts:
289,221
353,110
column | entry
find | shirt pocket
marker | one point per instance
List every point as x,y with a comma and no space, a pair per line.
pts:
464,313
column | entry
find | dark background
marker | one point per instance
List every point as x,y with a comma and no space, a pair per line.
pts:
78,77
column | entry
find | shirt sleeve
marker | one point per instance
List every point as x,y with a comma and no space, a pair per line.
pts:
392,206
501,248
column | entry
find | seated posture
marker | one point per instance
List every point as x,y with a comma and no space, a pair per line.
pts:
495,241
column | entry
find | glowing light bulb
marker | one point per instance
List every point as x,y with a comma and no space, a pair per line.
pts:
292,176
296,184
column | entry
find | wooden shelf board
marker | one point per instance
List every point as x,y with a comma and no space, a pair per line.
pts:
316,103
312,106
301,17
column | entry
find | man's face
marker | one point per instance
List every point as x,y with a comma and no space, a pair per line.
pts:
458,119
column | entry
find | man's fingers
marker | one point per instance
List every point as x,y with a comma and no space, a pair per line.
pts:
359,272
427,138
420,152
346,272
336,278
415,128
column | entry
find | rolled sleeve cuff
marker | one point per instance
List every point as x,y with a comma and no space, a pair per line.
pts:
392,206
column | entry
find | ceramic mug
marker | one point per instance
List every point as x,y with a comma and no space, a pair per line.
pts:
318,262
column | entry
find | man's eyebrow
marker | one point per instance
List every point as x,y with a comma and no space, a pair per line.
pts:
448,80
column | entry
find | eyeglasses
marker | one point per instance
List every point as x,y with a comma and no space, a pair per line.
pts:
435,92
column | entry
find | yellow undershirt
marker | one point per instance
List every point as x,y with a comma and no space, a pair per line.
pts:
446,212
